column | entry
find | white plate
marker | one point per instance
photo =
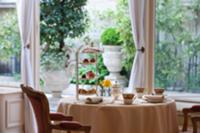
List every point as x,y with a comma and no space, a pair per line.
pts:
153,100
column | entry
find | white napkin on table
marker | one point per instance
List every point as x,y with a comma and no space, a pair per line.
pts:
93,100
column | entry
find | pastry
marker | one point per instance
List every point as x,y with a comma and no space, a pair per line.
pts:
85,61
87,92
92,91
83,76
92,60
82,91
90,75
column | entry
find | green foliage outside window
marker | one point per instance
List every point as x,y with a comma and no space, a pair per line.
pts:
60,19
178,45
168,61
9,36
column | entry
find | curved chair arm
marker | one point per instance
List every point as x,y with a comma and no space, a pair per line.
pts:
60,117
70,126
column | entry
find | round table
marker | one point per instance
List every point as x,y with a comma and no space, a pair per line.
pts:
140,117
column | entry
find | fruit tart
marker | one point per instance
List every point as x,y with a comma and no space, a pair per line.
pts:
90,75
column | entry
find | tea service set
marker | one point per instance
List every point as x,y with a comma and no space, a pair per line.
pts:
156,97
130,98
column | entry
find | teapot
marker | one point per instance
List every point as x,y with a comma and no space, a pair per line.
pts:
116,90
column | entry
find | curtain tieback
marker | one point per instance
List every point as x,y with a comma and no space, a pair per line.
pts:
142,49
27,46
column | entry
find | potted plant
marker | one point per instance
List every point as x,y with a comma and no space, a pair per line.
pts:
110,38
53,73
112,56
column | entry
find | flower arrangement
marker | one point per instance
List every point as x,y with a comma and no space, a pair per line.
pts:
105,86
106,83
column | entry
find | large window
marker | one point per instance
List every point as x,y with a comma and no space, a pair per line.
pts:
9,44
177,50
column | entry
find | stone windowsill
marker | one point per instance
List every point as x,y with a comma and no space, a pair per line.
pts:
184,100
9,90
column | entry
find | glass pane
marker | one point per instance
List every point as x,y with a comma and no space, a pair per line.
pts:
9,47
83,29
177,51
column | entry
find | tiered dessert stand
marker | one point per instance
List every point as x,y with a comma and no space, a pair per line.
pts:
89,75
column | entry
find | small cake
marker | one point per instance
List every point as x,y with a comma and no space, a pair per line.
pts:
85,61
82,91
92,60
92,91
83,76
87,92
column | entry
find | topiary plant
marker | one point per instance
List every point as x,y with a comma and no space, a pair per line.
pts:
111,37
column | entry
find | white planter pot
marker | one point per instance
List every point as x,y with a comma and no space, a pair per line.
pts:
112,59
109,48
55,82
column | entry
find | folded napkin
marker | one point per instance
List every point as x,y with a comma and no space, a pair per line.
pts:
93,100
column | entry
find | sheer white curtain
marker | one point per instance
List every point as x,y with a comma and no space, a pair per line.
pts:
28,19
142,20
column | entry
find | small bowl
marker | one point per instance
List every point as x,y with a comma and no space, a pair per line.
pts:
139,89
159,91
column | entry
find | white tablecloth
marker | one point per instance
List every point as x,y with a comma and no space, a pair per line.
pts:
118,118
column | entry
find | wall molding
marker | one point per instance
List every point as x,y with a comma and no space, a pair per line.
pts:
15,112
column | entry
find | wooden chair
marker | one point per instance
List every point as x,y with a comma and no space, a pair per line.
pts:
194,117
46,120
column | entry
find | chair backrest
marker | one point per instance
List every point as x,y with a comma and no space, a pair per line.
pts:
40,106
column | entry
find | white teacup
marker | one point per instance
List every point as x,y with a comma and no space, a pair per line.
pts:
128,98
